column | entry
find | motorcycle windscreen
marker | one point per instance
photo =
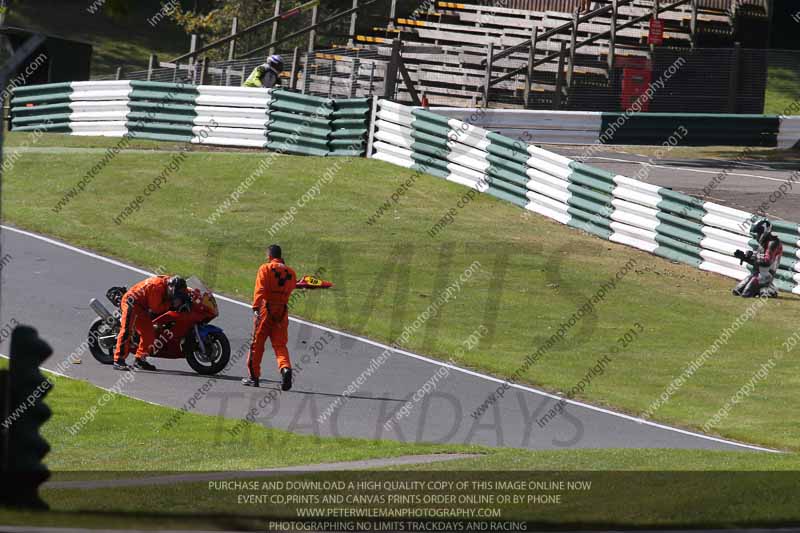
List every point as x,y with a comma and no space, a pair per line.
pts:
207,295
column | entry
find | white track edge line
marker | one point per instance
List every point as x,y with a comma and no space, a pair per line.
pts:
687,169
417,356
74,378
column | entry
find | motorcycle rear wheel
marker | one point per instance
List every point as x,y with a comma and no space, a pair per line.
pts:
102,340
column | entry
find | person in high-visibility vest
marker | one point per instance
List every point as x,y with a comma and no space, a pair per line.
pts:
268,75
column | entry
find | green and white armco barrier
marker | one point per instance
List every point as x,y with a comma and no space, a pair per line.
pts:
227,116
587,127
82,108
670,224
666,223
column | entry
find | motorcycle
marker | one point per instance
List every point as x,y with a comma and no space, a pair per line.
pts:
189,334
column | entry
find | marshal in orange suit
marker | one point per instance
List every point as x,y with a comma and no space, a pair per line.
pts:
155,295
274,285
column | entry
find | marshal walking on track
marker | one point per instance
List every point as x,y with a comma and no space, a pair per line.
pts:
274,285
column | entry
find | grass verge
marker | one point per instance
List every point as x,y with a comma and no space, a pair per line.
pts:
628,487
129,435
782,89
534,275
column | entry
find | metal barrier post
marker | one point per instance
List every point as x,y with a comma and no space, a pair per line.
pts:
151,65
312,35
354,76
228,76
373,113
573,41
234,30
119,73
192,47
307,72
295,60
390,78
612,41
275,26
371,79
203,71
353,21
392,14
531,59
559,77
733,87
693,27
488,79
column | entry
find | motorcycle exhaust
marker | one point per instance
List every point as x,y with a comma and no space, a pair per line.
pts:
101,311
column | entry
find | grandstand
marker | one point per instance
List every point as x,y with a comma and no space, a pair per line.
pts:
462,34
537,54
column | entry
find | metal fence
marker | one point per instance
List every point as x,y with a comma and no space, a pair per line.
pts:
713,80
340,72
568,5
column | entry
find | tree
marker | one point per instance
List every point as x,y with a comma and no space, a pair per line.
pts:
213,21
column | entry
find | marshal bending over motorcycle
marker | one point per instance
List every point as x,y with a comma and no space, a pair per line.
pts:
765,263
162,317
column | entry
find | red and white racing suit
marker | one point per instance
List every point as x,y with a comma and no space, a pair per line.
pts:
765,266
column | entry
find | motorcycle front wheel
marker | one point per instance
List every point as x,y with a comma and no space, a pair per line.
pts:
218,353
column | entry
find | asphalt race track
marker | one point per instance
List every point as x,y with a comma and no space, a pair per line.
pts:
48,285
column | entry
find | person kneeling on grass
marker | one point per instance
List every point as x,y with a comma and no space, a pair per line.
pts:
274,285
765,262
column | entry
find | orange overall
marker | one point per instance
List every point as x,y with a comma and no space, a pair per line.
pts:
274,284
147,296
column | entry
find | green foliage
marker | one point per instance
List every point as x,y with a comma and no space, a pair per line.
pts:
117,9
120,37
213,21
